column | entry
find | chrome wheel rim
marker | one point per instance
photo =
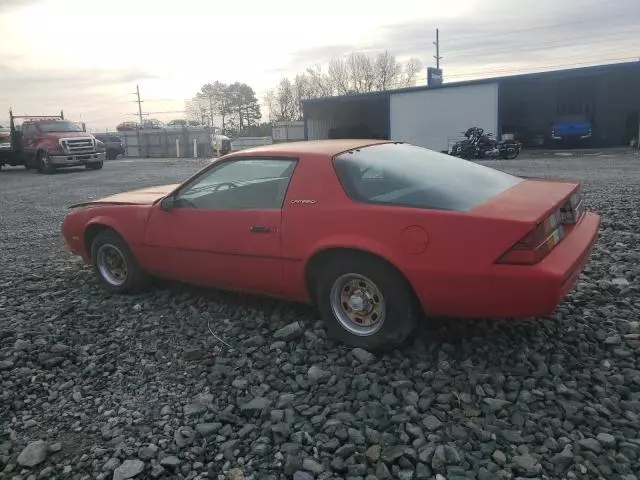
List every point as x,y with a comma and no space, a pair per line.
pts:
112,265
358,304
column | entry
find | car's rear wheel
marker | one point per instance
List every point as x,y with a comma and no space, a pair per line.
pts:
115,265
366,303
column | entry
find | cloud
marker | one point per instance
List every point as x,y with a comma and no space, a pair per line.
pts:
500,35
90,93
7,5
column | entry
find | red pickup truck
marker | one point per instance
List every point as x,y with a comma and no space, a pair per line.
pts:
50,142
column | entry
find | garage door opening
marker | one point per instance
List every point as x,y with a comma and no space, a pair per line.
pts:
586,107
352,116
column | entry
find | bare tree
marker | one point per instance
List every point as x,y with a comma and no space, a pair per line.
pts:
387,71
356,73
411,70
271,101
197,110
361,72
286,101
339,76
319,82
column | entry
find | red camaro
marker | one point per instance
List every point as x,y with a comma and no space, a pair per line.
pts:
374,233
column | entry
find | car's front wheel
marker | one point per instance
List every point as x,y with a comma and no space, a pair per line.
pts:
366,303
115,264
45,165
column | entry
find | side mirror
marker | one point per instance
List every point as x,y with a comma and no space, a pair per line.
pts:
167,203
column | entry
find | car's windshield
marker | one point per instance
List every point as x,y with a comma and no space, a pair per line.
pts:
407,175
59,126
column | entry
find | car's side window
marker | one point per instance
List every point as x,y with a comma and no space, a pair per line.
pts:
250,183
29,130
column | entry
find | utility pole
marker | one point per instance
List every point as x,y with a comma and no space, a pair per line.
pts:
140,147
139,103
437,44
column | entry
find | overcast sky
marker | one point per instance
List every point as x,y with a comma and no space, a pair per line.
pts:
87,56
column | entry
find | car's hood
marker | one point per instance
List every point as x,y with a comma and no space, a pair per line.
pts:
144,196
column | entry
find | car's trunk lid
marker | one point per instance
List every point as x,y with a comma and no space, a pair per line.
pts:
531,200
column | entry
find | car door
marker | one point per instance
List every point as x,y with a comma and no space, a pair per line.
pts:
223,226
29,145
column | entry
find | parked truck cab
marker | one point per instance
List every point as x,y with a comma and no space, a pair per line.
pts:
48,143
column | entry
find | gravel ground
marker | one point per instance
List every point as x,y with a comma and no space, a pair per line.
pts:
190,383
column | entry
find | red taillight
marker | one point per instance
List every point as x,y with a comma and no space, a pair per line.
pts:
546,234
537,243
573,209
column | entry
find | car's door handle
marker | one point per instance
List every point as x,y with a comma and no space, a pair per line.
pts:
260,229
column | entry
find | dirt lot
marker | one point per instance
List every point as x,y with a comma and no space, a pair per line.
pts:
140,386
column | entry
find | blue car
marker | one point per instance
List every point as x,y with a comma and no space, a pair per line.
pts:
571,128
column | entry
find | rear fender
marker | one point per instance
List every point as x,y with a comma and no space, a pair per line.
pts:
355,242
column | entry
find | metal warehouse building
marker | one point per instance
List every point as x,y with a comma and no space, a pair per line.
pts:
525,105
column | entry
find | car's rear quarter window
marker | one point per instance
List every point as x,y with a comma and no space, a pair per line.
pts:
411,176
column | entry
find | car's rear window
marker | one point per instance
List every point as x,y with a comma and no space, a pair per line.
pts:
411,176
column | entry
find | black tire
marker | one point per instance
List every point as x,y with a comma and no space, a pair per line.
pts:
514,153
94,166
44,164
135,279
401,311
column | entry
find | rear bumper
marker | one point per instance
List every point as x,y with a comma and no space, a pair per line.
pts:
76,160
513,290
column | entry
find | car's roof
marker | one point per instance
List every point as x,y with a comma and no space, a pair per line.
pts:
314,147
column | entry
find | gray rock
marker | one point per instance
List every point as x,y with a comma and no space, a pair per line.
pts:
606,440
22,345
170,462
258,403
382,472
290,332
495,404
148,452
363,356
235,474
206,429
194,409
128,469
157,471
499,457
527,465
391,454
564,458
316,374
111,464
431,423
590,444
33,454
312,466
300,475
373,453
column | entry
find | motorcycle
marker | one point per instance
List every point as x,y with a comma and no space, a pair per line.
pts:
477,146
